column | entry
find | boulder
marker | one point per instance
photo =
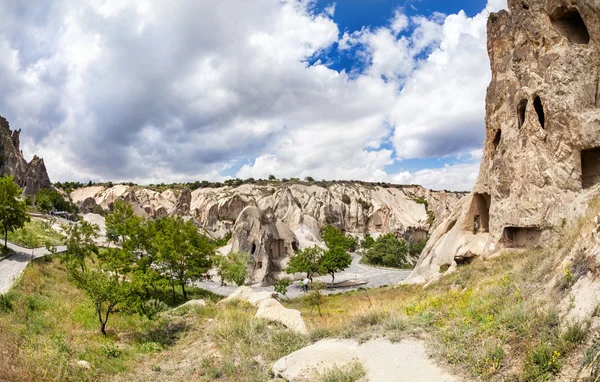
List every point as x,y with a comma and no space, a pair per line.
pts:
83,364
246,294
270,309
200,303
88,206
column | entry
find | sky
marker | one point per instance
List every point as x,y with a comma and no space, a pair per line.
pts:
151,91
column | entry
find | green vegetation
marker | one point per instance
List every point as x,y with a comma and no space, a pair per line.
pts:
47,200
218,243
232,268
306,261
334,237
483,318
281,286
352,372
388,251
13,211
36,233
367,242
346,199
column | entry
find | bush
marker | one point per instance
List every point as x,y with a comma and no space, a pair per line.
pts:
388,251
281,286
346,199
367,242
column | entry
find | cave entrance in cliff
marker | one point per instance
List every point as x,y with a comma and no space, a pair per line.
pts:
480,213
278,248
569,23
253,249
295,246
521,109
539,109
521,237
590,167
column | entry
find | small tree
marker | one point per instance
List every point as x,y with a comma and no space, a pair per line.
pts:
233,267
183,253
367,242
388,251
307,260
272,177
334,237
309,179
281,286
80,243
315,296
335,260
13,212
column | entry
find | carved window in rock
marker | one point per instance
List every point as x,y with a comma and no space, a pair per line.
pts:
570,24
539,109
521,237
590,167
521,109
480,213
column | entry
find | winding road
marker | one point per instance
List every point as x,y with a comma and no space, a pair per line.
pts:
376,277
12,266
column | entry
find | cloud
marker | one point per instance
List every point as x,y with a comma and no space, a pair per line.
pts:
148,91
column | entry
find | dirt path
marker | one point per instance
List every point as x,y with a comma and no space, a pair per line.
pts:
13,266
382,360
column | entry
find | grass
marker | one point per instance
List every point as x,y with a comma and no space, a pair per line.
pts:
352,372
36,233
47,325
494,319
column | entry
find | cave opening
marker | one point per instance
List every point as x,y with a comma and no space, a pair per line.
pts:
590,167
521,237
497,139
539,109
570,24
521,109
480,213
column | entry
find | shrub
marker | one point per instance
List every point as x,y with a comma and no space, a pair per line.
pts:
346,199
388,251
367,242
281,286
351,372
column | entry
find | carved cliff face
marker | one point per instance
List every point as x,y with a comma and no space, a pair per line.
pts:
542,143
30,176
542,115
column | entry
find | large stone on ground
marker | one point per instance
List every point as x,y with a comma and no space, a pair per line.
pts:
383,361
245,293
272,310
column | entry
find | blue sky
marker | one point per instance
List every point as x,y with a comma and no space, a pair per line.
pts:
149,91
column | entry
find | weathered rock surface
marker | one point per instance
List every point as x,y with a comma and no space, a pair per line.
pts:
270,309
31,176
542,133
383,361
354,207
198,303
245,293
268,241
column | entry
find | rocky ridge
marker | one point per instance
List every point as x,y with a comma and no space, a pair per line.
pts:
353,207
30,176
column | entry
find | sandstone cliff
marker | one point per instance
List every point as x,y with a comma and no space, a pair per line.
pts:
30,176
541,157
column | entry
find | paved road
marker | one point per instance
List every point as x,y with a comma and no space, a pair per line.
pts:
376,277
13,266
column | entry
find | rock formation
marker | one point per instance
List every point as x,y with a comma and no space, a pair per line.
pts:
542,146
353,207
30,176
268,241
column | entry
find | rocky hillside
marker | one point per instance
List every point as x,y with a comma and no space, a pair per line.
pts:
31,176
355,207
541,160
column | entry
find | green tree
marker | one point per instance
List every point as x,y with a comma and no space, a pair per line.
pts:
335,260
334,237
281,286
183,253
388,251
233,267
121,221
367,242
307,260
80,242
47,200
13,211
272,177
106,286
309,179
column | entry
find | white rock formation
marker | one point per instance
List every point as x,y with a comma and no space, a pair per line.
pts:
383,361
270,309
